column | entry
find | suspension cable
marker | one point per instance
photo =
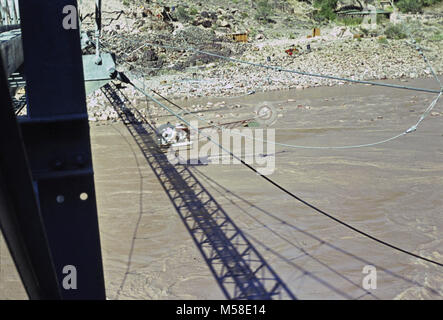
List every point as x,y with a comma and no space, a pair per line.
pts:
281,187
278,68
422,54
410,130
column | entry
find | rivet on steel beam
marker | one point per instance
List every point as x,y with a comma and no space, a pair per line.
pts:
57,164
80,160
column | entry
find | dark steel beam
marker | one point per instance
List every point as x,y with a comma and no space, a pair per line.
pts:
20,218
56,136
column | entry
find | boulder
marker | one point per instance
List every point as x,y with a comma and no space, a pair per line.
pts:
224,24
150,55
259,36
207,23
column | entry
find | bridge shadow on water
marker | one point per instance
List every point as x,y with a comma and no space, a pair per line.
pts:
239,269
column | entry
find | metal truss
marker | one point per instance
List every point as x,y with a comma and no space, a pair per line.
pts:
239,269
54,223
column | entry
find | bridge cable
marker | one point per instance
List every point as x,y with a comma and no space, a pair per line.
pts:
278,68
281,187
410,130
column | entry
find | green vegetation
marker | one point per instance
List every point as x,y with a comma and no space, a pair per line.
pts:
438,36
264,10
349,21
396,31
325,9
410,5
182,14
382,40
415,6
193,11
382,19
252,32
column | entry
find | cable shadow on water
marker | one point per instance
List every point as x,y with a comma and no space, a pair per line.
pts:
432,290
238,268
225,192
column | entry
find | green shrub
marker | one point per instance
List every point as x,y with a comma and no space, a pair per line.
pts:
415,6
252,32
349,21
182,14
365,31
325,9
193,11
383,41
382,19
438,36
430,2
395,31
264,10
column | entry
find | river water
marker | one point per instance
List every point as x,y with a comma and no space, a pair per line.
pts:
393,191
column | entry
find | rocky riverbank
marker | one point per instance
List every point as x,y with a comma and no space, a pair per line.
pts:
138,36
365,59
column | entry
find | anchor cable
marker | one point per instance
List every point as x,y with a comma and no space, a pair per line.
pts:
278,186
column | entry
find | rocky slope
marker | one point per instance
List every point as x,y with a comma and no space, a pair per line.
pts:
277,36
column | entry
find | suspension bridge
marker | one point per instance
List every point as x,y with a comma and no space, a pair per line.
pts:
49,164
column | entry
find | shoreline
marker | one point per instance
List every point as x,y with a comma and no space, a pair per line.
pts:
229,81
100,111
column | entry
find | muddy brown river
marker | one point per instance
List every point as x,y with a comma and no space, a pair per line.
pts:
392,191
